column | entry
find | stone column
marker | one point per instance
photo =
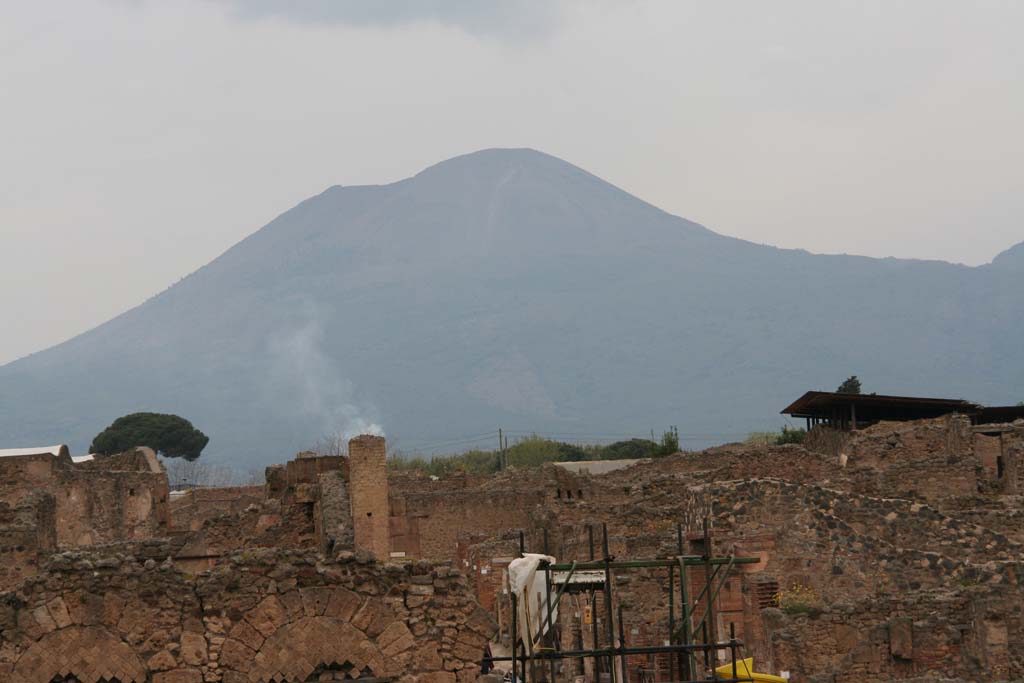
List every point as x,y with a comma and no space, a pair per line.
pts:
368,490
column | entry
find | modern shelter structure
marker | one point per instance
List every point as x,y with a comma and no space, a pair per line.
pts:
854,411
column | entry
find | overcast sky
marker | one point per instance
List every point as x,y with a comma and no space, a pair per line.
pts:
140,139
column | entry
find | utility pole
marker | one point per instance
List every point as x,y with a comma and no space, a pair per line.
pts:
501,451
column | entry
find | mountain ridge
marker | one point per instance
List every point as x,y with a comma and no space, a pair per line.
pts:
507,287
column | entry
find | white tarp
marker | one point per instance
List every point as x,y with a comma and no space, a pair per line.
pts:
531,591
40,450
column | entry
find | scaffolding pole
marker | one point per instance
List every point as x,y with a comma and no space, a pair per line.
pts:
680,644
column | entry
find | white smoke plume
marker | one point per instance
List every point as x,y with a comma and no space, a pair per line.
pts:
314,384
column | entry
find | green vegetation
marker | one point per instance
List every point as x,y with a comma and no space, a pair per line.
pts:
779,438
535,450
169,435
849,386
791,435
798,599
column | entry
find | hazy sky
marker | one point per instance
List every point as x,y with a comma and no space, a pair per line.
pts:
140,139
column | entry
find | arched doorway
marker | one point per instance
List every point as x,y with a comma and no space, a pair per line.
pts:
79,654
315,649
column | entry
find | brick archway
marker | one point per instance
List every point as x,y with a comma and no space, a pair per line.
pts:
84,654
310,644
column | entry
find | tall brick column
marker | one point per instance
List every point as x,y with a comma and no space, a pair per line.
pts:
368,489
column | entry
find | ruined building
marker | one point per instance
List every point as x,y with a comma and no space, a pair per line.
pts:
885,553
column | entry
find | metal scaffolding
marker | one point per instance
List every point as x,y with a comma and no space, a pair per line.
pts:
693,661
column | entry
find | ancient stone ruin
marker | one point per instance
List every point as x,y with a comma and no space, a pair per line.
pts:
889,553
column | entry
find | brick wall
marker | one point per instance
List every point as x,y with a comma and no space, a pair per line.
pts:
368,490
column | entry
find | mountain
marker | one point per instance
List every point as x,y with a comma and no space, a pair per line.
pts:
1012,258
509,288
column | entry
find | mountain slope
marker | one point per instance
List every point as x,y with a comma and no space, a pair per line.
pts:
509,288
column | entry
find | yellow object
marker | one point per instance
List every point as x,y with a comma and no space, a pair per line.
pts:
745,669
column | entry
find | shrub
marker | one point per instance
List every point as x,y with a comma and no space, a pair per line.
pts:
669,442
535,450
798,599
783,436
790,435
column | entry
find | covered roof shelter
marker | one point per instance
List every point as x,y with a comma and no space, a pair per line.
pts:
851,411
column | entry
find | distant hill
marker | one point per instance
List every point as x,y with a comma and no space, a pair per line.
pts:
510,288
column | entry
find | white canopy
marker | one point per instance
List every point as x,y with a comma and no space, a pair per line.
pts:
38,450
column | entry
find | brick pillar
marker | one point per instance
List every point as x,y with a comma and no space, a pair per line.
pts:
368,490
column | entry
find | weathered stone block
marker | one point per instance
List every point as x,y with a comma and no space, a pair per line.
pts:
342,604
395,638
179,676
162,661
437,677
901,638
193,648
234,655
268,616
247,635
314,600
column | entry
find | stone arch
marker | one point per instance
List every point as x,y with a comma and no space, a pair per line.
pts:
296,651
88,654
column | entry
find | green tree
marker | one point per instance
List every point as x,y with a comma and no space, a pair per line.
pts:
536,450
169,435
850,386
627,450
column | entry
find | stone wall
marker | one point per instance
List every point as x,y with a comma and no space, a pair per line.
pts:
28,534
21,475
428,517
189,509
333,514
260,616
927,459
102,506
120,497
972,635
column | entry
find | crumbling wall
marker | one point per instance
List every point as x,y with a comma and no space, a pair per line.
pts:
28,533
100,501
967,635
428,525
261,616
189,509
335,529
99,506
927,459
428,517
22,475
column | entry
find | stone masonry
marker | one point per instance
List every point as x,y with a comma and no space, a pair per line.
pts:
904,541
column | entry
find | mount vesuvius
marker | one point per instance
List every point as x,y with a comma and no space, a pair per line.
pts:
510,288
